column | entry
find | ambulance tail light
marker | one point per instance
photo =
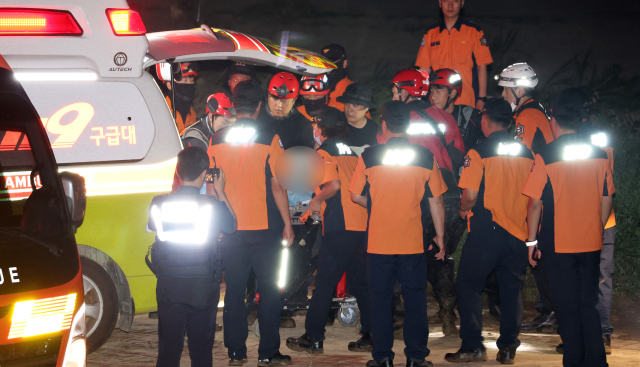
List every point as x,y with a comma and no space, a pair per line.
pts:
126,22
42,316
38,22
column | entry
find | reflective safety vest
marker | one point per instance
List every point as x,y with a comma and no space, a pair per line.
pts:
186,244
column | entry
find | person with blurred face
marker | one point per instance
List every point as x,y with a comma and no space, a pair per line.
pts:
358,100
239,72
184,78
460,45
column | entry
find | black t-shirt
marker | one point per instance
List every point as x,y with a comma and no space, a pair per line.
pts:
293,130
363,136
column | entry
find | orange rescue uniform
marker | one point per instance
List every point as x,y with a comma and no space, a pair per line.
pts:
339,212
570,176
457,49
248,153
397,176
498,168
181,123
532,126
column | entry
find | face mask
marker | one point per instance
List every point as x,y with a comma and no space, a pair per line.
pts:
185,91
313,106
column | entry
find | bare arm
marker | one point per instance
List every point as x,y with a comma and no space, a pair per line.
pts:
467,201
436,206
482,85
282,202
607,204
360,200
330,188
533,222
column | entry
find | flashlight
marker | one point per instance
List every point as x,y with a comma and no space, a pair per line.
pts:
283,265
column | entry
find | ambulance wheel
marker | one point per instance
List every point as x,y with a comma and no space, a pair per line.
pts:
256,329
101,304
348,316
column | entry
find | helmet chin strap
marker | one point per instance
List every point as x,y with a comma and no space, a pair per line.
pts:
516,97
406,99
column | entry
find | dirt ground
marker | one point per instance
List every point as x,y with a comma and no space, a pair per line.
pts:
139,347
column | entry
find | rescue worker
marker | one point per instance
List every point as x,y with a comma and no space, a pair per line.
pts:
217,116
184,79
392,180
279,115
494,174
338,79
605,289
593,135
343,244
532,123
445,86
314,91
408,86
533,129
248,153
358,101
185,258
570,232
239,72
460,45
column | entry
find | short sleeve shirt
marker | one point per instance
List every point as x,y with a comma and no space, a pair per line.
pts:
570,176
532,126
397,176
497,169
455,49
248,154
339,212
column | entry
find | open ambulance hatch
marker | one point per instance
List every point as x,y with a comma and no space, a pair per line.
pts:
219,44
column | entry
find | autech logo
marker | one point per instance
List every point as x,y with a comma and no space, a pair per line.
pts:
120,59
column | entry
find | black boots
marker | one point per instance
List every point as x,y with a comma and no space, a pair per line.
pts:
364,344
476,355
305,344
275,360
506,356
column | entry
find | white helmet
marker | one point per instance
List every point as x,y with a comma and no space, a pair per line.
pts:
518,75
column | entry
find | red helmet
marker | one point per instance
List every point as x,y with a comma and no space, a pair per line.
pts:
317,85
284,85
220,104
447,77
412,81
163,70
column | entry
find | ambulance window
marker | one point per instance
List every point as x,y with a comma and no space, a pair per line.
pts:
89,122
16,157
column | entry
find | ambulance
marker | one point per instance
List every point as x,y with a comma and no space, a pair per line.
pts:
42,311
86,66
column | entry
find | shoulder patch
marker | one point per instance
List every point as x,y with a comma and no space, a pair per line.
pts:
467,161
519,131
533,165
422,43
483,41
280,141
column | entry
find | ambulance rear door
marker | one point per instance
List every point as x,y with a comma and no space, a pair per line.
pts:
219,44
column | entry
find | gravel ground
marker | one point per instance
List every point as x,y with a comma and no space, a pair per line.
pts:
139,347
